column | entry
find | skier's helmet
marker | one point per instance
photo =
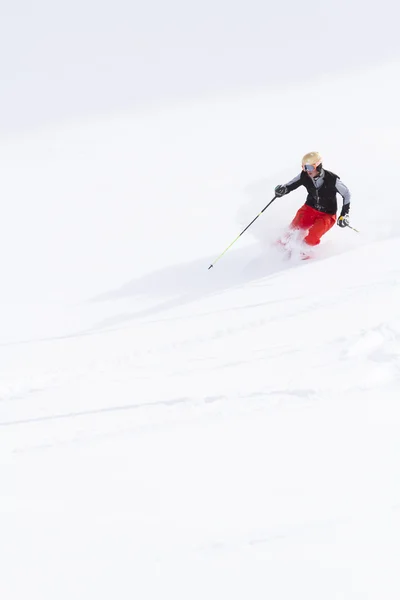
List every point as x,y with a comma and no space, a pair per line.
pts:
312,159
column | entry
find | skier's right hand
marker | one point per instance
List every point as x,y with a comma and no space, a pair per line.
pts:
280,191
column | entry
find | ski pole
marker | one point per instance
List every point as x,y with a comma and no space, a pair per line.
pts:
353,228
265,207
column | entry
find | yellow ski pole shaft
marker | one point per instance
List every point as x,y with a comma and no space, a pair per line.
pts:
242,232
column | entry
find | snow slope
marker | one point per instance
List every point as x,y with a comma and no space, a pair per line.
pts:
172,432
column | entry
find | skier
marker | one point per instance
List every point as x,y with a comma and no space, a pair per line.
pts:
318,214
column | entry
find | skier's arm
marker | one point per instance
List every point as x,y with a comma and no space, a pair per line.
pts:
344,191
281,190
293,184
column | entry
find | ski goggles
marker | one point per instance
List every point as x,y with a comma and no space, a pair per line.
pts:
309,168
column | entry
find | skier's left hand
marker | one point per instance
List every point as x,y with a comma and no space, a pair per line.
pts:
343,221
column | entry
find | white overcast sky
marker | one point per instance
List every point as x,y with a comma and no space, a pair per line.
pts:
61,60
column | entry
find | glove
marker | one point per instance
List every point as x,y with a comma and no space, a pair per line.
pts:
280,191
343,220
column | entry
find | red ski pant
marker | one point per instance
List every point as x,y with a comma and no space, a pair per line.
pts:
314,222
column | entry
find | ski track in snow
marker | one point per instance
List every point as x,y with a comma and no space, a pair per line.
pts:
370,358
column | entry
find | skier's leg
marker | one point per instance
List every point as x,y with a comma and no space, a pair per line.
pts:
304,218
293,236
321,225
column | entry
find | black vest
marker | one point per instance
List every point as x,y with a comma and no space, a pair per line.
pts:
323,199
